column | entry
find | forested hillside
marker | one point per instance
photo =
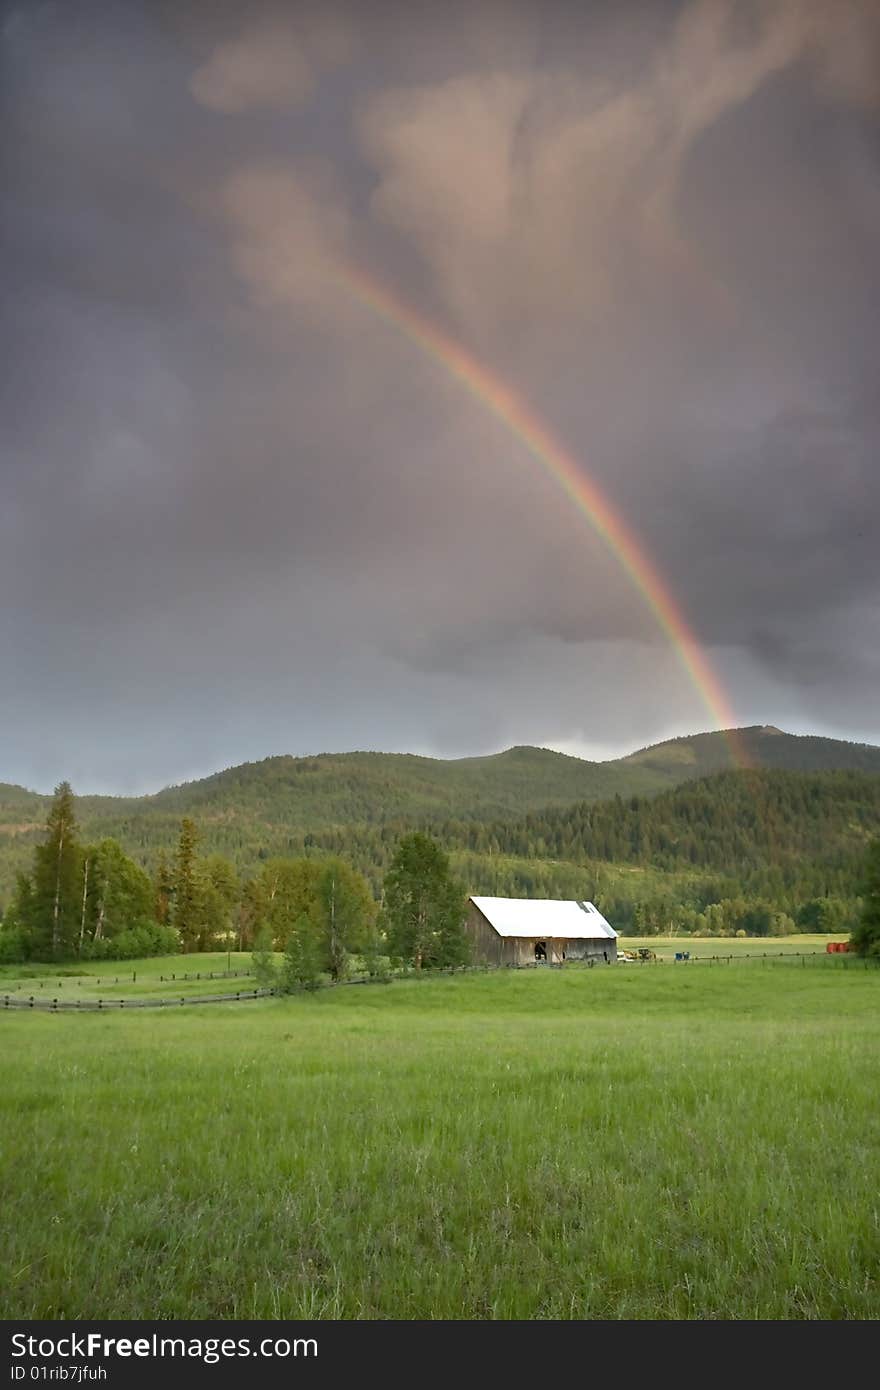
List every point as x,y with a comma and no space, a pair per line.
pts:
733,823
526,820
762,746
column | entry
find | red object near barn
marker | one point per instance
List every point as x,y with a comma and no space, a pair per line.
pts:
833,946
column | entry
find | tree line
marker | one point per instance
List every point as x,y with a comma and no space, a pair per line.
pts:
780,853
90,902
87,901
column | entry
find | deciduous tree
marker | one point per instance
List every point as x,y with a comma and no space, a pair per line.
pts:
346,909
301,967
424,906
289,891
265,970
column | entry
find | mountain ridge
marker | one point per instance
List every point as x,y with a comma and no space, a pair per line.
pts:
716,745
357,804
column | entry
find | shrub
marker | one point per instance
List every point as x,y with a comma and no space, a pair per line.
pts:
13,945
145,939
264,960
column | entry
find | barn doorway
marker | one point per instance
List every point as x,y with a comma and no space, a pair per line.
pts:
541,950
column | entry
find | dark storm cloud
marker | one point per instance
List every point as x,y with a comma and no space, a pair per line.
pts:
242,514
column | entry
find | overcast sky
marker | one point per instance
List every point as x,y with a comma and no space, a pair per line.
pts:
244,515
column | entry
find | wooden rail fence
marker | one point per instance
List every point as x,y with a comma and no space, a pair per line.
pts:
16,999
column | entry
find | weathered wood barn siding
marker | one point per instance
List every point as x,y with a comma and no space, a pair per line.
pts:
488,948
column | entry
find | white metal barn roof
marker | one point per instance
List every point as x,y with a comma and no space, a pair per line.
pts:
544,917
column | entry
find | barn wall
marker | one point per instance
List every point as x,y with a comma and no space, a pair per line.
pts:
518,950
488,948
594,949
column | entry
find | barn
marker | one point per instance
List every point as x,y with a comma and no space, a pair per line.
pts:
529,931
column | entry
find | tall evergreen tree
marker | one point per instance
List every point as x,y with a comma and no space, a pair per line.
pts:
866,937
163,884
424,907
186,889
55,897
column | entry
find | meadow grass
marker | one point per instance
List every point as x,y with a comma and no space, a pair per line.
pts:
707,947
667,1143
178,975
157,976
812,941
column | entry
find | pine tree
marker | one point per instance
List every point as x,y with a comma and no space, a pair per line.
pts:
186,889
866,937
164,890
56,893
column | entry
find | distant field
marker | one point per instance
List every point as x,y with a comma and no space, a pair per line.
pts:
642,1143
216,972
161,976
704,947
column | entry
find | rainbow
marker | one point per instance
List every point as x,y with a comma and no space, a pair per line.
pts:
513,412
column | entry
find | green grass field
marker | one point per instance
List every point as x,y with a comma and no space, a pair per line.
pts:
623,1143
160,977
740,948
185,976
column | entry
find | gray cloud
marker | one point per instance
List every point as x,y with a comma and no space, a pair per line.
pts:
243,513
